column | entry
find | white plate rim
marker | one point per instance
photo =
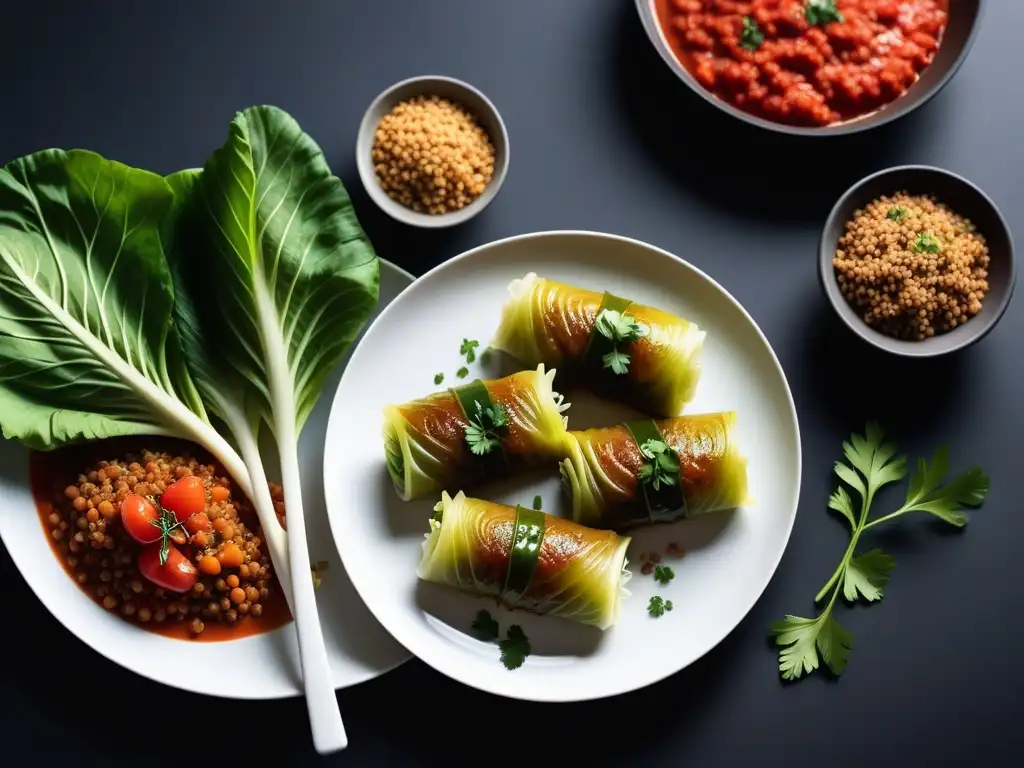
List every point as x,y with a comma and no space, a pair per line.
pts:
566,696
289,690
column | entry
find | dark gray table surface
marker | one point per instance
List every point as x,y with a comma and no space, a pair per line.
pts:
603,138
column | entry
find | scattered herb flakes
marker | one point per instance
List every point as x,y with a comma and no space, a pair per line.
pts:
872,463
752,36
515,647
483,433
663,574
538,502
484,626
661,467
463,372
438,378
468,349
896,213
926,242
656,607
822,12
668,605
618,328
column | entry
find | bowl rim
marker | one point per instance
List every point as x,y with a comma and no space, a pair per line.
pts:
649,20
826,251
399,212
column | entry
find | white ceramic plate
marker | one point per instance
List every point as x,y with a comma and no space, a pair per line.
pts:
730,556
358,648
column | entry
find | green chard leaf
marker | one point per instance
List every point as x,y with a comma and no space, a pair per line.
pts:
277,279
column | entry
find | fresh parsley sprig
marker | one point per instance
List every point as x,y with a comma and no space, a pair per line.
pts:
872,464
468,349
663,574
752,36
483,433
515,647
658,605
926,242
822,12
618,328
662,466
485,627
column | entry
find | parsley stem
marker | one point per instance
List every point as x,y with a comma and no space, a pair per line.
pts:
890,516
861,526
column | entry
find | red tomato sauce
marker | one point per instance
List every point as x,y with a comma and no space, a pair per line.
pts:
802,74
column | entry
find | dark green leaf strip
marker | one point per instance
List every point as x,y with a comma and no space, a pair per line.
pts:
469,395
598,346
668,503
527,539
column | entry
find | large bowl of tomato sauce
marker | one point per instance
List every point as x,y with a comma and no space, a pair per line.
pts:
817,67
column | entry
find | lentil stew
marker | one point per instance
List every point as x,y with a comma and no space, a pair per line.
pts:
808,63
79,497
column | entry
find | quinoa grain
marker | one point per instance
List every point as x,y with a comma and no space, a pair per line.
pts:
432,156
912,267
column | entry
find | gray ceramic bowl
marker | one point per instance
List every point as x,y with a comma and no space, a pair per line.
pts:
964,198
964,18
445,87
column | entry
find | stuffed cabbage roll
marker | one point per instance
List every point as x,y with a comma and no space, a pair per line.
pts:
479,430
655,471
525,558
620,350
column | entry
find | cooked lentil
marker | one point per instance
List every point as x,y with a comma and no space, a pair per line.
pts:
432,156
97,550
912,267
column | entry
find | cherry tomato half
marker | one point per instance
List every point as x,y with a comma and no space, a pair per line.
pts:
138,516
185,498
177,574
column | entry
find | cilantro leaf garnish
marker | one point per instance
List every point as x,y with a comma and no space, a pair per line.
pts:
663,574
668,605
927,242
822,12
657,606
438,378
870,464
468,348
752,36
896,213
483,433
662,466
618,328
463,372
485,626
515,647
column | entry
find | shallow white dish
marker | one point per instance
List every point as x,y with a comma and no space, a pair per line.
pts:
358,648
730,556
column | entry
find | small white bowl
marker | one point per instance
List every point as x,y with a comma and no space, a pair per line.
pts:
447,88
